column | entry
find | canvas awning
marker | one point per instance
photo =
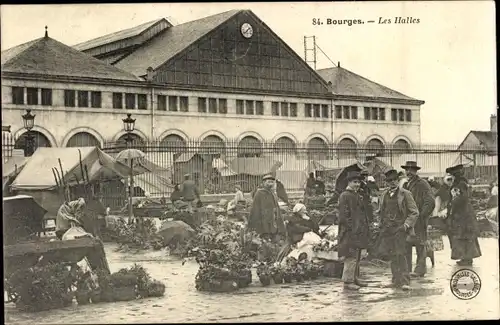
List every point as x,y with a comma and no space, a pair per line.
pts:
254,166
37,173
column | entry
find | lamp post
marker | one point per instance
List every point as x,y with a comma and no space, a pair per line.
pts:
128,126
29,123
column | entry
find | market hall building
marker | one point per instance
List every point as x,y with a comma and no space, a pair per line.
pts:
227,77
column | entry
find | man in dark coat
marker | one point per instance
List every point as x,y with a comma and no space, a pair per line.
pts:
423,196
319,186
310,184
461,220
265,215
398,214
353,230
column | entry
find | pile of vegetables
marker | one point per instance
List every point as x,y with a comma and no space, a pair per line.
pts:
325,245
56,284
43,287
298,270
126,284
140,235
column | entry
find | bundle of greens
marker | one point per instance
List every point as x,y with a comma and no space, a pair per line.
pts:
44,287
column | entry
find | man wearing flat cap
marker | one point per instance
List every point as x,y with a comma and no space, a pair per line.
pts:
423,196
398,214
353,230
461,220
265,215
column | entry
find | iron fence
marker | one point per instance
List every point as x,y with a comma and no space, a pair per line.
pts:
218,166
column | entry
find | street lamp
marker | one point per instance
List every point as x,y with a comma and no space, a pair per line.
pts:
128,126
29,123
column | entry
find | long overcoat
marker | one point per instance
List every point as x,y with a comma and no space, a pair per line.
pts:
393,237
353,224
265,215
462,223
424,198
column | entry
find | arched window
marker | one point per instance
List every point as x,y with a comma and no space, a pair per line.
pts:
136,143
346,148
375,147
83,139
212,144
317,149
285,145
250,146
39,140
401,147
173,143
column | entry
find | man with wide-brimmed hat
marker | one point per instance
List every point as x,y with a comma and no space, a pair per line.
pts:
265,215
423,196
353,230
398,214
461,221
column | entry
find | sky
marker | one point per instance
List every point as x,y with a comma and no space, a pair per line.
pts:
448,59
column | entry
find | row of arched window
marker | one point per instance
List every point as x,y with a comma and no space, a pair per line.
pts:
248,146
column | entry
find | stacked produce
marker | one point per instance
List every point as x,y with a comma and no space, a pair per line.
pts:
138,235
56,284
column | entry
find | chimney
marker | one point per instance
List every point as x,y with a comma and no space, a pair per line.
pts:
150,73
338,64
493,123
46,32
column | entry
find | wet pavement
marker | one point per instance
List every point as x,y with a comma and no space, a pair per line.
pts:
319,300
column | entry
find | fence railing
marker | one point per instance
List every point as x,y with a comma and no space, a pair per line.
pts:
218,166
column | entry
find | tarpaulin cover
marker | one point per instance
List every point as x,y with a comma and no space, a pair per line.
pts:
37,173
254,166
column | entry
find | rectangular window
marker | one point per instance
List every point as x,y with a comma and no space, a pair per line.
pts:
394,114
354,113
162,102
172,103
222,106
408,115
46,97
375,113
338,112
18,95
293,109
69,98
325,111
202,105
249,107
284,109
275,106
142,101
95,99
184,104
117,100
308,110
130,101
317,108
212,105
381,113
32,94
401,115
367,113
346,112
83,98
259,107
240,107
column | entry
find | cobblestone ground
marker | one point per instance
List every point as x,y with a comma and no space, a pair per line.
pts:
320,300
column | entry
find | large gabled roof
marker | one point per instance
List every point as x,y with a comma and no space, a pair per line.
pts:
170,42
347,83
48,57
117,36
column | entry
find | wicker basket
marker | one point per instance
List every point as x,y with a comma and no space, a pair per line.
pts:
434,240
330,256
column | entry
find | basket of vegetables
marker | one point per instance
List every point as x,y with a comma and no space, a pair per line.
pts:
277,273
264,273
326,250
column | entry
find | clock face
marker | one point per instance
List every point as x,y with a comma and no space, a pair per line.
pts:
246,30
